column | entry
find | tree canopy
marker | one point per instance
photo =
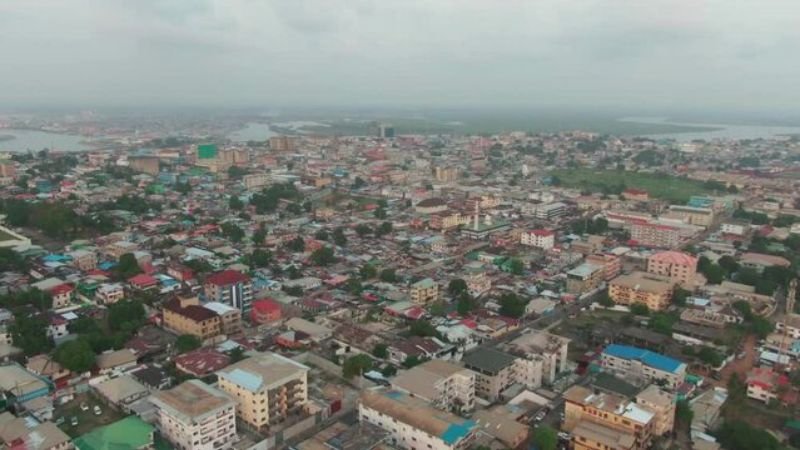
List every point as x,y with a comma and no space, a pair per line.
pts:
76,355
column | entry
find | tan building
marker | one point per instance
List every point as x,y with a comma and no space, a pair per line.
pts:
653,291
703,217
548,350
678,266
494,371
655,235
268,388
21,433
84,260
446,221
282,143
662,403
585,277
612,265
196,416
444,385
446,174
601,421
119,248
146,164
230,317
184,315
424,291
255,180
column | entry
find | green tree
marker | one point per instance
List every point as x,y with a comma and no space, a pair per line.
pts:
127,266
232,231
363,229
465,304
380,213
126,315
423,328
323,256
237,354
380,350
683,412
437,309
259,258
259,236
183,188
356,365
456,287
321,234
76,355
516,266
679,296
413,361
354,286
740,435
545,438
339,238
388,275
29,334
187,342
639,309
384,229
511,305
296,245
235,203
368,272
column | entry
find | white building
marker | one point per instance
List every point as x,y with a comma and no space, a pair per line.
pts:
541,357
444,385
196,416
544,239
640,363
412,423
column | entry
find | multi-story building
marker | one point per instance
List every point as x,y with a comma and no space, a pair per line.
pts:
477,281
145,164
655,235
424,291
585,277
255,180
446,221
267,387
612,265
282,143
444,385
230,287
678,266
735,228
651,290
662,404
790,323
702,217
62,295
413,424
602,421
546,351
8,169
230,317
109,293
84,260
185,315
636,362
116,249
544,239
549,211
494,371
196,416
446,174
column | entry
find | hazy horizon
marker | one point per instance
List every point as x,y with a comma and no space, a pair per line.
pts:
603,55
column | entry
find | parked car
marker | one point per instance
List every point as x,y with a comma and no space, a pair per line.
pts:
97,410
84,406
73,421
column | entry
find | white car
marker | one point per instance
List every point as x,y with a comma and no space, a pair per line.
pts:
97,410
84,406
563,436
73,421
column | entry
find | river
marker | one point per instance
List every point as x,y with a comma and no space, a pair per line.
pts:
33,140
723,131
253,132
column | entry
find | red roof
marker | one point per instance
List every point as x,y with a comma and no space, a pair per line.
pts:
202,361
62,289
143,280
227,277
541,233
673,257
266,305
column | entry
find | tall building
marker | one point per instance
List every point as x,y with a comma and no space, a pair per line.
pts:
678,266
444,385
385,131
544,239
651,290
424,291
413,424
185,315
544,352
662,404
635,362
146,164
655,235
282,143
196,416
494,371
446,174
230,287
268,388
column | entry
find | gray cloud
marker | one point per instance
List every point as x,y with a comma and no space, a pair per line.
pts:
715,53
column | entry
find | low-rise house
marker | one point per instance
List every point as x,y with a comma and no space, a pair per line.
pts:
21,385
122,391
759,262
115,361
765,384
109,293
201,362
19,433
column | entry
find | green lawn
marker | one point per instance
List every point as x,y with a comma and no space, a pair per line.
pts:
667,187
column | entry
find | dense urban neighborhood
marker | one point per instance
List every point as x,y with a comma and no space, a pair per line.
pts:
171,287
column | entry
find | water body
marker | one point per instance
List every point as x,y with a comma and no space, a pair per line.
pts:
722,131
253,132
24,140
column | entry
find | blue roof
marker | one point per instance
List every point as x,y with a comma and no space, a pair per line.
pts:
247,380
652,359
456,432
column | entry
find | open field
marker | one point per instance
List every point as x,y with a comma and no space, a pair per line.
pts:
87,421
661,186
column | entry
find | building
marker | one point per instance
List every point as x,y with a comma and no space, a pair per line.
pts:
446,174
17,433
549,211
790,323
122,391
230,287
431,205
230,317
84,260
20,385
116,249
385,131
62,295
206,151
424,291
265,311
196,416
109,293
759,261
478,282
8,169
702,217
544,352
544,239
678,266
494,371
764,384
612,265
282,143
585,277
255,180
444,385
115,361
185,315
412,423
653,291
145,164
602,421
130,433
268,388
662,404
636,362
655,235
735,228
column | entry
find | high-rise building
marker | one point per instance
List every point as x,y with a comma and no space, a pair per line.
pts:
230,287
444,385
651,290
196,416
678,266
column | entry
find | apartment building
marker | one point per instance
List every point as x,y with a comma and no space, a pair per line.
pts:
444,385
185,315
662,404
651,290
494,371
230,317
231,288
702,217
446,174
678,266
602,421
196,416
255,180
612,265
545,353
628,361
268,388
62,295
282,143
412,423
424,291
544,239
655,235
109,293
119,248
477,281
585,277
83,260
549,211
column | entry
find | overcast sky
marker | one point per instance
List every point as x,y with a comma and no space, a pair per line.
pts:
740,54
